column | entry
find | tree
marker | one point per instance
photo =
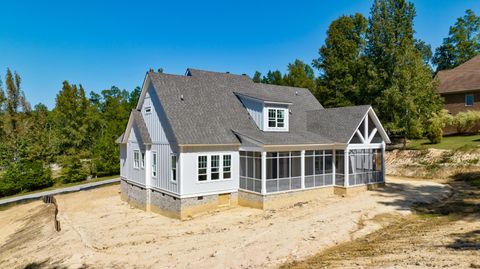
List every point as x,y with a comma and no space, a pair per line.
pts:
300,75
462,43
273,77
340,61
257,77
400,85
40,138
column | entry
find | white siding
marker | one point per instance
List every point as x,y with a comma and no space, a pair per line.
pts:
255,109
123,161
189,176
134,174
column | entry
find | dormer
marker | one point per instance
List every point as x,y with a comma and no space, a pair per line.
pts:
269,115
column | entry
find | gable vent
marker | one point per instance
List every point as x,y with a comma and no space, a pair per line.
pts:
181,97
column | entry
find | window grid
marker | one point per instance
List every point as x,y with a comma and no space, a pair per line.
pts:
214,167
136,159
143,159
227,166
202,168
173,163
276,117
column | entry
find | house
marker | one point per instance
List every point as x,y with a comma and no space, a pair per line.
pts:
460,86
206,140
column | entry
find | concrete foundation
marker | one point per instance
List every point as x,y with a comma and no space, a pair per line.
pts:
352,190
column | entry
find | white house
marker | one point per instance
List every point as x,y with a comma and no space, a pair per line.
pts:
205,140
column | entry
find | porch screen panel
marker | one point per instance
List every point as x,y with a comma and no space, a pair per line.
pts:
365,166
283,171
250,171
339,168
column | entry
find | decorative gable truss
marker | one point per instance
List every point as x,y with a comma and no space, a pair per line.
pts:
369,131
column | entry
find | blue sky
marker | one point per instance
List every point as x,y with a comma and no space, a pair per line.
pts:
105,43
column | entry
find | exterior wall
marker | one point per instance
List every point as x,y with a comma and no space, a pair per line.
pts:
134,174
188,168
133,194
255,109
455,102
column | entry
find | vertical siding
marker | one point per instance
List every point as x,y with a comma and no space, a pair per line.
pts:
123,161
255,109
134,143
162,140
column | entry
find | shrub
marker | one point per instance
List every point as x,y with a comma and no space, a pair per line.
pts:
435,125
73,170
25,176
465,121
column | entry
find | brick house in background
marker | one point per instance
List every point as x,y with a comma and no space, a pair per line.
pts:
460,87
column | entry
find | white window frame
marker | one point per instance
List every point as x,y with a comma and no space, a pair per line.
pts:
266,119
212,167
209,167
142,159
174,168
154,164
227,168
206,168
473,99
136,159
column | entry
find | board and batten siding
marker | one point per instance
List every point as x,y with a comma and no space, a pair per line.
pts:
134,143
255,109
159,130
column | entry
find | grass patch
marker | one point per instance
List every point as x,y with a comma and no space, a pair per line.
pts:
463,143
59,185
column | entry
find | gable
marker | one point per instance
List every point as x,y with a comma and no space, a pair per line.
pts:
369,131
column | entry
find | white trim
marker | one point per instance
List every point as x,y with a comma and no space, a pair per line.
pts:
360,136
148,167
286,118
172,180
137,167
220,168
374,131
154,158
263,181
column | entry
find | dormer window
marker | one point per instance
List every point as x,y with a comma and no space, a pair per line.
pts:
276,118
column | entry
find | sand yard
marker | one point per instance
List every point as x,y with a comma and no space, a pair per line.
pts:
101,231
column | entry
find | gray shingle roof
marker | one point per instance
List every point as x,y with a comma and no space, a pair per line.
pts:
337,124
142,127
211,113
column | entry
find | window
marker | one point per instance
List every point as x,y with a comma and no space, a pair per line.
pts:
276,117
154,164
136,159
143,160
227,166
202,168
469,100
173,163
148,110
214,167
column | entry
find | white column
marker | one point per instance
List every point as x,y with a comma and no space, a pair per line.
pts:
264,172
346,160
334,157
383,161
302,168
148,167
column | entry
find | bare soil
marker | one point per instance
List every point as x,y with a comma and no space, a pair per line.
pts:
441,235
101,231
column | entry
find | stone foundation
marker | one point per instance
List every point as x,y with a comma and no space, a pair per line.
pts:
174,207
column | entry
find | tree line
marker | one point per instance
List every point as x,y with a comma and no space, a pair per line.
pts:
378,61
78,135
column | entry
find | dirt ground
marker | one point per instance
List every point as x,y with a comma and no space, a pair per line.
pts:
101,231
441,235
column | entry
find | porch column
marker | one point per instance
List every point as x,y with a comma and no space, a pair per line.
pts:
334,161
148,166
383,161
346,164
302,168
264,173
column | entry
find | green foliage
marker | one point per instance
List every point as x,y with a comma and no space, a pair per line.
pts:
300,75
25,176
465,121
73,170
435,125
341,62
462,43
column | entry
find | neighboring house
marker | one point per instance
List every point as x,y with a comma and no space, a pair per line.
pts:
210,140
460,86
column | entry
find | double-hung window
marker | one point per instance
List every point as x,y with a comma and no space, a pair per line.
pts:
202,168
136,159
173,161
469,99
143,160
215,167
154,164
276,118
227,166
